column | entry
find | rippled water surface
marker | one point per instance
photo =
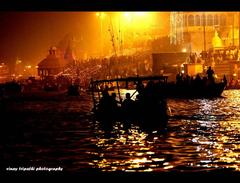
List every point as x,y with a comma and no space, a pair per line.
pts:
202,134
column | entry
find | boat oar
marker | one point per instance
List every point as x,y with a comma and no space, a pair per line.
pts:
133,94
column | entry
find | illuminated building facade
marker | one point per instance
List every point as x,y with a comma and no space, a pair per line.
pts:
217,33
206,30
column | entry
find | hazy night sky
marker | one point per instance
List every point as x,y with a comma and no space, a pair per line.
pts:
28,35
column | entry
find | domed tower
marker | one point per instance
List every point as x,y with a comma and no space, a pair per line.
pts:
52,65
52,50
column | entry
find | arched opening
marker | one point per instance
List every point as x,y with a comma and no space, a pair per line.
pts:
216,20
223,20
190,20
209,20
185,20
203,19
197,20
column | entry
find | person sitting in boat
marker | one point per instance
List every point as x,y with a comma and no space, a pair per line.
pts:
198,80
224,80
114,104
179,79
138,106
105,105
210,74
149,90
187,80
128,106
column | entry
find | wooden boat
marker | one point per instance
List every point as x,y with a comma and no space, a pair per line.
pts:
154,91
143,110
168,90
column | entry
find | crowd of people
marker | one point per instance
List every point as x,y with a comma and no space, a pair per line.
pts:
198,80
219,55
113,67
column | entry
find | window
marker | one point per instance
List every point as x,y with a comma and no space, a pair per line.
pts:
203,19
190,20
223,20
197,20
216,20
209,20
185,20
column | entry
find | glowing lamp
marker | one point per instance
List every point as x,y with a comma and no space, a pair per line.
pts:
126,14
184,50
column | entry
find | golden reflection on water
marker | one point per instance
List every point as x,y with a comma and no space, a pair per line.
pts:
138,153
212,142
220,150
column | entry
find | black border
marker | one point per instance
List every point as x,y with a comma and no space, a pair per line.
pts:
119,5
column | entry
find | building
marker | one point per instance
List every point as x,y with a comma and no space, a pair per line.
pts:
198,29
217,33
55,62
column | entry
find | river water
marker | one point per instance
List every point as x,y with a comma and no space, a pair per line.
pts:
202,134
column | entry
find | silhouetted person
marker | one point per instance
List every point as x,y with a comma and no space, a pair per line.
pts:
179,79
128,106
198,80
187,80
105,106
138,106
224,80
210,73
149,90
114,105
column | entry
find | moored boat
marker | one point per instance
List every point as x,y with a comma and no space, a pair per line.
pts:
194,89
150,95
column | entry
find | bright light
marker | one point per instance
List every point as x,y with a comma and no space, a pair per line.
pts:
140,13
137,21
101,14
127,18
234,74
184,50
126,14
182,71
